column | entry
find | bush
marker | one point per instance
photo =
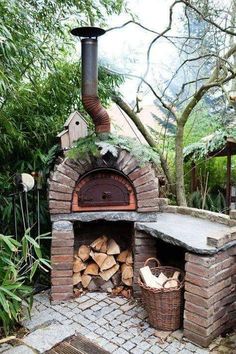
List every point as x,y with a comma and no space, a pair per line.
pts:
18,264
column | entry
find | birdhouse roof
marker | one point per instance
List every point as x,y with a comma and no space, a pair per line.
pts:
62,133
72,116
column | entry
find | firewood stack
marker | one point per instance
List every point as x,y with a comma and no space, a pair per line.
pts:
103,266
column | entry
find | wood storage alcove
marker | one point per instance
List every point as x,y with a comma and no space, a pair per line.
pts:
103,189
103,257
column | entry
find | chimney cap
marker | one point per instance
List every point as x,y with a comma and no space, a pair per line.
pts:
88,32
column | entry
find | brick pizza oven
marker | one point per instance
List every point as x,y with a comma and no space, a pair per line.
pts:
81,193
110,193
120,197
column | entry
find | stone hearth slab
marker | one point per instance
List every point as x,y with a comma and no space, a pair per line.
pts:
106,215
189,232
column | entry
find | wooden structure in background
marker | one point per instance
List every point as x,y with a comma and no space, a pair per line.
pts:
228,150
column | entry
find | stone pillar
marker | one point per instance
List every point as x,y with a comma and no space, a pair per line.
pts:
209,295
62,250
144,248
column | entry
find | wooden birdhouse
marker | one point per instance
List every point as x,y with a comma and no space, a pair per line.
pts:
75,128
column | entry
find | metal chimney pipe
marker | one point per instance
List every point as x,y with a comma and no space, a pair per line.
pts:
90,99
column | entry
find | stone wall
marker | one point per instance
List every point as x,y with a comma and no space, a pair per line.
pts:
210,295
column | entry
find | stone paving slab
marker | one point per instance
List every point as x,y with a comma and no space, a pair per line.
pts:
20,349
116,325
47,337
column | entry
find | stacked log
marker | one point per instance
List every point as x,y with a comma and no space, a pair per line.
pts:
103,266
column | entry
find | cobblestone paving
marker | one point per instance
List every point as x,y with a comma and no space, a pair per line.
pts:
116,324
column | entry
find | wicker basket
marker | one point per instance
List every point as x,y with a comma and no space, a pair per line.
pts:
164,306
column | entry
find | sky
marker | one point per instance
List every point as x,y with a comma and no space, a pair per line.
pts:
124,50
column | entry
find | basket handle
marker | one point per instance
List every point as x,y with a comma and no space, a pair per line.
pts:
152,259
166,281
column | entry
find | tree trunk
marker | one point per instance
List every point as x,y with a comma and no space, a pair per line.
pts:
125,107
179,165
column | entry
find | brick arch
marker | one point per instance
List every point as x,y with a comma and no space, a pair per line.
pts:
66,174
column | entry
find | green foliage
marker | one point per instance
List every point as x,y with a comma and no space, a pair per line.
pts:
211,201
40,85
37,115
42,162
200,124
94,146
18,264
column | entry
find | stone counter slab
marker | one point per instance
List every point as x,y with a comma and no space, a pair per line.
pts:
106,215
188,232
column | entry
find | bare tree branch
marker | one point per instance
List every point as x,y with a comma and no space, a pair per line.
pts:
125,107
188,4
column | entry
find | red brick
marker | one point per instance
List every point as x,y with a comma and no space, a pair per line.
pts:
61,259
232,308
197,280
58,211
57,297
198,270
208,272
229,299
142,235
221,295
207,292
60,196
221,256
68,171
199,310
62,266
62,251
130,167
139,172
61,273
150,186
151,202
148,195
62,243
148,177
203,321
204,282
58,187
145,242
62,281
62,289
193,327
63,179
201,260
232,251
207,303
144,250
123,160
197,300
198,339
62,234
76,166
54,204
